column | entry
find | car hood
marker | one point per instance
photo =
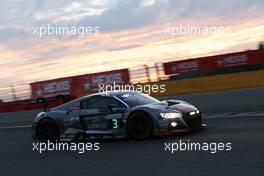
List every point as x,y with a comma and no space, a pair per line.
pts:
170,105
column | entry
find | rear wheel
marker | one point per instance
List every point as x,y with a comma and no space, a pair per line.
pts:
47,130
140,126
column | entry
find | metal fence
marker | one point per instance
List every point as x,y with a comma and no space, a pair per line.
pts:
15,92
147,73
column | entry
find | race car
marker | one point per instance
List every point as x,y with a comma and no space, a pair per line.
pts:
115,115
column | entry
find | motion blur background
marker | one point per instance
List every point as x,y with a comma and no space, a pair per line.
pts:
139,42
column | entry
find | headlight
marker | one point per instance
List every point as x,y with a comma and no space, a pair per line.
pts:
170,115
194,112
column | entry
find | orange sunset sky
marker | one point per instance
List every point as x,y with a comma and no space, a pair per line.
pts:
132,33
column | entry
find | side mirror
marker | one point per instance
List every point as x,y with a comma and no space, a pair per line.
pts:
115,108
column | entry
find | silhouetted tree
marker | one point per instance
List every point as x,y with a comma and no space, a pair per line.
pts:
261,45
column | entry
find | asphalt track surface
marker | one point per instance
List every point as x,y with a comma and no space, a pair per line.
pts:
148,157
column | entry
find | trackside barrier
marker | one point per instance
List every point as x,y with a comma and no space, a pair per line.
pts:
221,72
213,83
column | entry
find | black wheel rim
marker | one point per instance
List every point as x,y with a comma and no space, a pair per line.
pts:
140,127
47,131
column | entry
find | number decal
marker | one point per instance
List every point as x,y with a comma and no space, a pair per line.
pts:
115,124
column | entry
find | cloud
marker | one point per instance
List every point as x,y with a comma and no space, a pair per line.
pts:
131,34
123,47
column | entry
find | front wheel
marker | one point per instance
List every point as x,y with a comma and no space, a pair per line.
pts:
47,130
140,126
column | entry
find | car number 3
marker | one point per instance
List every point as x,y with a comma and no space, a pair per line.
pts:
115,124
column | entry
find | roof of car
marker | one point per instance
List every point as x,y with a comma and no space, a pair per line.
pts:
110,93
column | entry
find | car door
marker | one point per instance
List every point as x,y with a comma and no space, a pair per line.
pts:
96,117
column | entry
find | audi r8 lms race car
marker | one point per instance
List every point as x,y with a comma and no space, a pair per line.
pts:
115,115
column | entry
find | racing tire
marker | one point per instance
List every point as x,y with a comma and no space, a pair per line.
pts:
140,126
47,130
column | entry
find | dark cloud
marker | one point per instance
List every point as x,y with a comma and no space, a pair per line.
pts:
122,15
131,14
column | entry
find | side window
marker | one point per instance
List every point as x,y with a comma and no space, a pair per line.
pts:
84,104
99,102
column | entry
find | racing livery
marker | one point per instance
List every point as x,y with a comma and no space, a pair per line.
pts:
115,115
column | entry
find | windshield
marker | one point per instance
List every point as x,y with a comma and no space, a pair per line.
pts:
135,98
